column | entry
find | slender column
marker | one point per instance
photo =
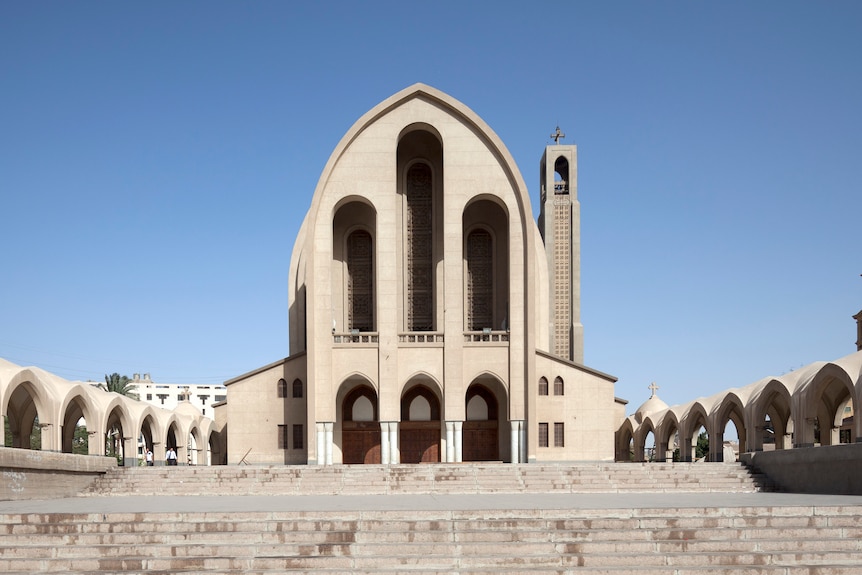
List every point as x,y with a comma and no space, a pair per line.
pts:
321,443
450,441
523,441
514,441
394,452
328,428
459,440
384,442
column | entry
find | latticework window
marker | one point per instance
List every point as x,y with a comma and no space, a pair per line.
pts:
559,435
298,436
419,239
480,280
543,435
558,386
543,386
360,281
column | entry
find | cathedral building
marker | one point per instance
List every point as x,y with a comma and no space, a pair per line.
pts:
432,319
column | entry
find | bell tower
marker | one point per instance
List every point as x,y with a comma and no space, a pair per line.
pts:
560,226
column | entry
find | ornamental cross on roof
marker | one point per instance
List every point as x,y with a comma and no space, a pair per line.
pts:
653,388
558,135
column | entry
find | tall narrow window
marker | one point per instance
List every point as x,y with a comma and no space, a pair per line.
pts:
297,388
282,388
480,280
420,269
559,435
543,435
558,386
543,386
298,436
282,437
360,284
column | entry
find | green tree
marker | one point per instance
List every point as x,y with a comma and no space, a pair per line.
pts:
702,447
119,384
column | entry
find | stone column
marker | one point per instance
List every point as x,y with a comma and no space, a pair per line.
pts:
384,442
321,443
130,452
394,451
459,440
515,441
523,441
450,442
328,447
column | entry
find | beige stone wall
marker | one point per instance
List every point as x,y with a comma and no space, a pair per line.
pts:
254,411
586,409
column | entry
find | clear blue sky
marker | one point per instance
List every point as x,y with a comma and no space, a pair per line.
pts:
156,160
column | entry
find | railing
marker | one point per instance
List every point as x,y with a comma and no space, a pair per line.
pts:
421,337
486,336
355,337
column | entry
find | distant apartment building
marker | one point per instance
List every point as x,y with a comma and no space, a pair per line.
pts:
169,395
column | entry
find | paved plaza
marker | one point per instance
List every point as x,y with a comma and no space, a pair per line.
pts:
424,502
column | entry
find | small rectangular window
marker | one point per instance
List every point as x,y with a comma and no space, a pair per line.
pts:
543,435
559,435
282,437
298,435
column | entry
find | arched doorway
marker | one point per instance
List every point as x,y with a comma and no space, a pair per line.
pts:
482,429
420,426
360,429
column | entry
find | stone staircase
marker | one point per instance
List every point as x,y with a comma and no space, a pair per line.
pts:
702,541
430,478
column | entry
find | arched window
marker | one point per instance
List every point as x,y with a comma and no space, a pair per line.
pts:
297,388
480,280
420,243
543,386
282,388
360,281
558,386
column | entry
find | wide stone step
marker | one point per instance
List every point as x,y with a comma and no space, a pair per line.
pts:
431,478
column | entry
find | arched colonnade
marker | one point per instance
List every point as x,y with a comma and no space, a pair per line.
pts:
811,406
45,411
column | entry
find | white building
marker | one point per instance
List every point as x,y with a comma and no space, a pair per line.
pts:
169,395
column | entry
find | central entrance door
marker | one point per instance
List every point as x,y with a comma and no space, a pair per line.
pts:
420,427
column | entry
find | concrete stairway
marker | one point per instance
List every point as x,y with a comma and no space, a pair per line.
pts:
436,478
763,541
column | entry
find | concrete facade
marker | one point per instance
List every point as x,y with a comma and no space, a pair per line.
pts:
421,319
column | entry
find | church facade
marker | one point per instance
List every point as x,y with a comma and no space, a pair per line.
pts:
431,317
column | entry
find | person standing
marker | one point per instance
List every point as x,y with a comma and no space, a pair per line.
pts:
172,456
149,457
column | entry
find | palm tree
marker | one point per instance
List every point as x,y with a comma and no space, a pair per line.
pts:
119,384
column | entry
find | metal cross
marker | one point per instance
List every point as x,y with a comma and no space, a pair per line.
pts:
653,388
558,135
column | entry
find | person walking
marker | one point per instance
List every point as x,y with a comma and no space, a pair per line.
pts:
149,457
171,456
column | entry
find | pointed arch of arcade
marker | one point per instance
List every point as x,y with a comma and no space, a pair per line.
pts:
771,417
625,441
421,429
640,438
484,431
76,406
825,395
732,409
666,436
695,418
358,422
24,404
